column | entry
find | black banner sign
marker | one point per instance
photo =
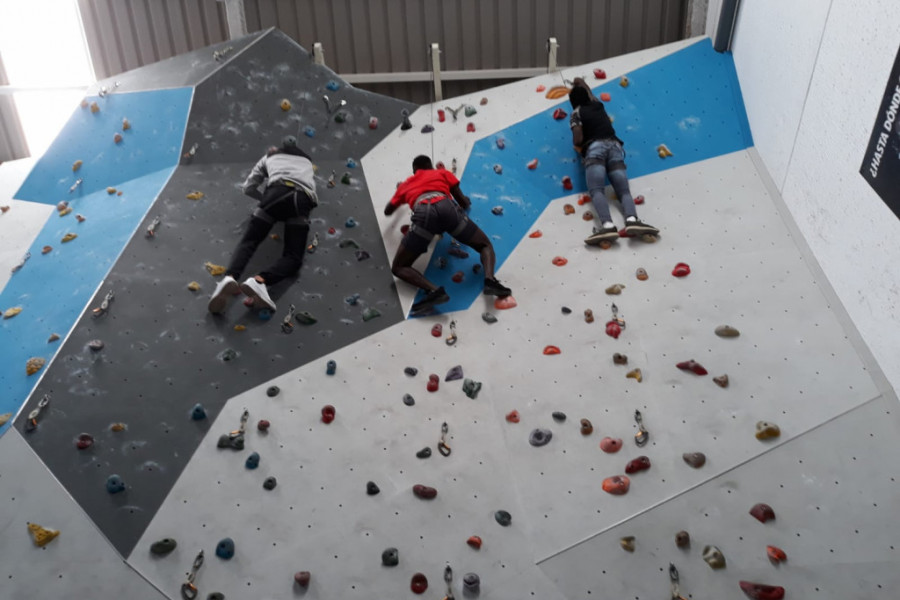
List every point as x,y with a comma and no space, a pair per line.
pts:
881,165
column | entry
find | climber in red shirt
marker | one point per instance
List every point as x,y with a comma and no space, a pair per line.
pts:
438,207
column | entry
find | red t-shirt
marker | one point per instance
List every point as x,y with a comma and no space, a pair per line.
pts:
422,182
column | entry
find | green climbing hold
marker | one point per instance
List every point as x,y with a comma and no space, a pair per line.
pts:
345,178
470,110
305,318
348,243
163,546
503,518
370,313
471,388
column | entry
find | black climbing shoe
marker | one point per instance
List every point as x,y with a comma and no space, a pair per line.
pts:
492,287
601,234
431,299
636,227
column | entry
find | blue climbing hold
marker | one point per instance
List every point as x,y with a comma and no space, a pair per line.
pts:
350,223
114,484
309,131
264,315
225,548
252,461
331,367
198,413
427,128
333,85
351,164
352,299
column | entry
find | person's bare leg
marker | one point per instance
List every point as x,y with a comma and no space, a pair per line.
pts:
480,243
402,268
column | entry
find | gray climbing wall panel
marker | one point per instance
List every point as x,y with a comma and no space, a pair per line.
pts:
162,347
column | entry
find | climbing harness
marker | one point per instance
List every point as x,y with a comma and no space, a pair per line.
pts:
104,306
75,185
235,439
673,579
619,319
641,437
442,446
451,339
188,589
21,263
286,325
32,422
154,225
448,579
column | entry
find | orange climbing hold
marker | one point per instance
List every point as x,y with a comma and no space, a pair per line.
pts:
504,303
559,261
549,350
568,209
76,165
776,554
536,233
512,416
583,199
616,485
557,92
605,97
532,164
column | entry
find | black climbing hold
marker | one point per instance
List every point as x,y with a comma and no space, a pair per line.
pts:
566,310
330,367
228,441
372,488
408,400
348,243
215,596
559,417
411,371
454,373
163,546
405,124
362,255
424,453
488,317
198,412
390,557
503,517
471,584
114,484
270,483
471,388
227,354
252,461
272,391
476,268
540,437
225,548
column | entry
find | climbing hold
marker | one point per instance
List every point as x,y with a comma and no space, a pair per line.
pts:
721,381
762,512
424,453
126,124
418,584
437,330
560,261
682,539
41,535
309,131
559,416
9,313
373,122
163,546
333,85
616,485
285,105
588,315
116,427
498,169
471,388
761,591
117,137
532,164
424,492
536,234
215,596
330,367
587,216
457,277
214,270
46,249
641,463
627,543
681,270
198,413
328,414
69,237
457,251
694,459
270,483
550,350
765,430
488,317
692,366
193,286
540,437
713,557
4,418
252,461
568,209
501,143
471,584
567,183
512,416
442,116
84,441
225,548
557,92
65,211
433,383
34,364
639,200
559,114
566,310
613,329
611,445
620,359
95,345
497,210
302,578
540,88
411,371
263,425
727,331
76,165
195,195
503,518
470,127
505,302
370,313
372,488
408,400
641,274
227,355
272,391
426,128
615,289
599,74
350,223
114,484
470,110
776,554
623,81
663,151
305,318
95,108
635,374
345,178
53,337
390,557
474,542
586,427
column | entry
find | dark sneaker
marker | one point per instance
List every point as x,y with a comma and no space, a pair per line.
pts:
636,227
492,287
431,299
602,234
225,289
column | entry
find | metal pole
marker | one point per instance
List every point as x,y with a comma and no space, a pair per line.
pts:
436,71
552,47
725,28
318,54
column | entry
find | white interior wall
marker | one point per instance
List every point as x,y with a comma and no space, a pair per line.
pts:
812,76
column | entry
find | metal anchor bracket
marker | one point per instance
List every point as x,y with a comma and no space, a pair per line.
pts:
452,338
442,446
287,324
154,225
448,579
620,319
32,422
235,439
104,306
641,437
188,589
673,581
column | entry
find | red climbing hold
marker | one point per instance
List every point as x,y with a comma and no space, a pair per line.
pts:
301,578
457,277
505,302
327,414
599,74
762,512
540,88
638,199
611,445
641,463
419,583
536,233
613,329
559,261
263,425
548,350
441,115
470,127
616,485
693,366
424,492
512,416
437,330
761,591
776,554
532,164
84,441
474,541
567,183
439,165
583,199
332,231
433,382
559,114
681,270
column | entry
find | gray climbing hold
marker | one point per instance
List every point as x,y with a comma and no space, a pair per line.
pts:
114,484
352,299
370,313
411,371
305,318
235,442
348,243
225,548
408,400
390,557
95,345
471,584
488,317
694,459
454,373
252,461
559,417
270,483
471,388
163,546
272,391
372,488
227,354
503,517
540,437
497,210
198,413
215,596
424,452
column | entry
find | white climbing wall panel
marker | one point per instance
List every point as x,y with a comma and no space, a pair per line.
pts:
21,224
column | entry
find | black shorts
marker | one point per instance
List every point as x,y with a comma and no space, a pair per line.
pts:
443,216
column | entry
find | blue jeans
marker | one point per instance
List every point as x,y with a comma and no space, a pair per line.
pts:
606,158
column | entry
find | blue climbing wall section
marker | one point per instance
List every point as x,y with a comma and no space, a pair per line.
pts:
690,101
52,289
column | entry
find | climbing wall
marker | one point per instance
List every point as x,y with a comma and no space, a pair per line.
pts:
336,417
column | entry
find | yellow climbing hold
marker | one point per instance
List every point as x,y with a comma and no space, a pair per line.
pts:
126,125
285,105
663,151
65,211
53,337
615,289
214,270
635,374
194,195
69,237
624,82
118,427
34,364
76,165
240,327
42,536
9,313
95,108
110,190
4,418
194,286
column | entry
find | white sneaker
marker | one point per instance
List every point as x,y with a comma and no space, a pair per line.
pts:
258,292
226,288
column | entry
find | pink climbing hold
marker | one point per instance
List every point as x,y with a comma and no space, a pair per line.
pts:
617,485
441,115
433,382
470,127
681,270
540,88
532,164
567,183
437,330
263,425
761,591
551,350
327,414
84,441
611,445
599,74
762,512
404,229
693,366
613,329
641,463
559,114
505,303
